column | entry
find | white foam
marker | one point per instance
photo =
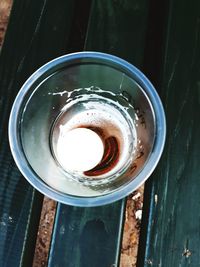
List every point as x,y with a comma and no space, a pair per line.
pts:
105,115
79,149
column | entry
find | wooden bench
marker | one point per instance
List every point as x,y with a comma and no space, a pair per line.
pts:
162,38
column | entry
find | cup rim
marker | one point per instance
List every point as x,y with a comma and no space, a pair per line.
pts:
121,192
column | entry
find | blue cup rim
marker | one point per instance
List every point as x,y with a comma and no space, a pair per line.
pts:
126,189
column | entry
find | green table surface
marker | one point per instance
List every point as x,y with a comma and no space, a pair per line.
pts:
37,32
92,236
163,40
173,225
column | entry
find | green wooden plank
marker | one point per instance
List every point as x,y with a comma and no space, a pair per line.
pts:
85,237
119,28
173,237
38,31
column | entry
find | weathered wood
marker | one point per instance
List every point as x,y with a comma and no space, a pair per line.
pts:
91,236
173,237
119,28
38,31
86,236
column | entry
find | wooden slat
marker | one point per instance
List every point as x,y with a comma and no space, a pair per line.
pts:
173,237
84,236
119,28
91,236
38,31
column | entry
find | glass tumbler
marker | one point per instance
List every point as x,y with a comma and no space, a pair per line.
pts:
100,92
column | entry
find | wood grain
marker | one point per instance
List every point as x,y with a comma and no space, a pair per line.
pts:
173,237
92,236
30,42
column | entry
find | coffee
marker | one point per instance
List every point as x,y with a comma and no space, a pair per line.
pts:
108,121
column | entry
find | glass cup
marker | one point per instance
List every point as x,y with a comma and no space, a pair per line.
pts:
99,92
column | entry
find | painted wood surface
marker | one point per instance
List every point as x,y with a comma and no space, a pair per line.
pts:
38,31
43,32
173,236
85,237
